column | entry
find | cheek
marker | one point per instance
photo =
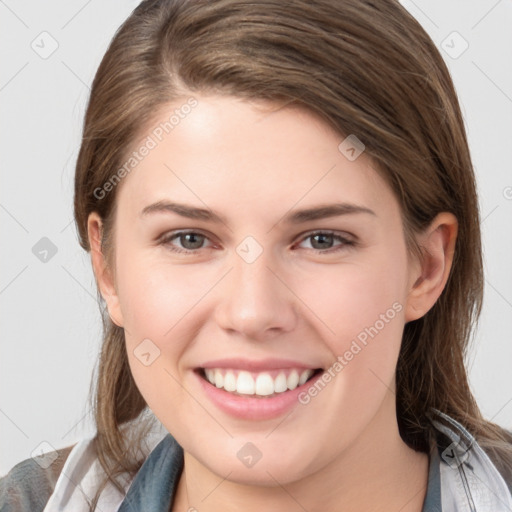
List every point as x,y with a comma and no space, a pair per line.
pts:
155,296
353,299
361,308
156,305
163,307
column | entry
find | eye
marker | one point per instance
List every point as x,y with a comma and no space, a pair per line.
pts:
190,241
322,241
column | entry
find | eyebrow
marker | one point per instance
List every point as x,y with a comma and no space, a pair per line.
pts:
293,217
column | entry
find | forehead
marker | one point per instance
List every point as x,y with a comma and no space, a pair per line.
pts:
226,152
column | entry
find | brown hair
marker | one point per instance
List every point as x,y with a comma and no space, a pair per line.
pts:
366,67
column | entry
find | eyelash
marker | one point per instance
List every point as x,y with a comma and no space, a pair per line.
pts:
345,242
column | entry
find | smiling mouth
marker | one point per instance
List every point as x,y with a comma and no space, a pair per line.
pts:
266,384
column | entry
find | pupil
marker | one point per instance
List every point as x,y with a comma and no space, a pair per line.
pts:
192,236
322,238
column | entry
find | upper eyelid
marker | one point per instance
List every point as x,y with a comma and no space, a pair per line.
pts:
176,233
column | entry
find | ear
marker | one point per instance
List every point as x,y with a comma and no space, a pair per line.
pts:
102,272
428,277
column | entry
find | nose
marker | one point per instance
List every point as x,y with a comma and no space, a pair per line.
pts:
256,301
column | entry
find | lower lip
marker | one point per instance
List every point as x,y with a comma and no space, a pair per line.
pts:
250,408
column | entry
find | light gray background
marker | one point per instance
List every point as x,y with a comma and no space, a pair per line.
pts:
49,317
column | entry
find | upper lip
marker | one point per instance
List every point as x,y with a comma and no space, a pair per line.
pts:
257,365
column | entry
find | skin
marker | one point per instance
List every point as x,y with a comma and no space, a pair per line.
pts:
253,163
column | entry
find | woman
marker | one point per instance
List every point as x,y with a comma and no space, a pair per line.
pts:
280,207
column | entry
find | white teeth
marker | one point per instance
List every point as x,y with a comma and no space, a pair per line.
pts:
245,384
304,376
293,380
230,381
280,383
219,379
263,385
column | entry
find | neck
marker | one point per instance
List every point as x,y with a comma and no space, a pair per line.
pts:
378,472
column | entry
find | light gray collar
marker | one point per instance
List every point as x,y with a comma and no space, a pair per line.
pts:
469,480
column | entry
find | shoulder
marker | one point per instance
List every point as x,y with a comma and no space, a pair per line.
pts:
29,484
64,479
471,470
500,455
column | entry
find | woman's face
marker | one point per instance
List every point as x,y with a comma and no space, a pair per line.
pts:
297,261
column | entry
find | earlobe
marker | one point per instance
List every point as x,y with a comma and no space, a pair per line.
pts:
429,277
102,272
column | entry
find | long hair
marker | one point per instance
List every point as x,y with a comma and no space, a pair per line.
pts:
366,67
